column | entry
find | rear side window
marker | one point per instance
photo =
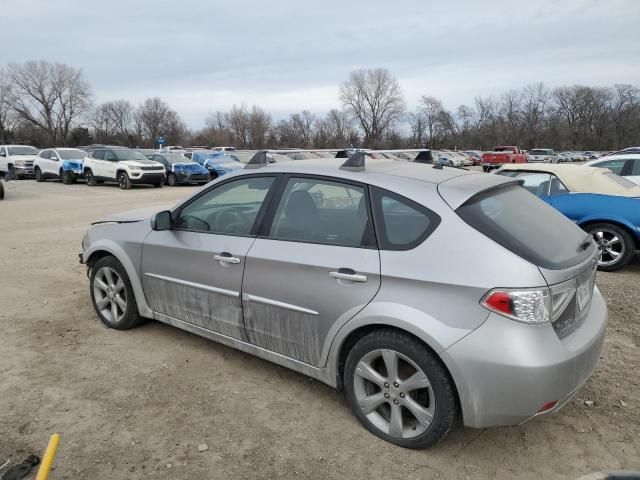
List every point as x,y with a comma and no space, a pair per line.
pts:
402,224
527,226
615,166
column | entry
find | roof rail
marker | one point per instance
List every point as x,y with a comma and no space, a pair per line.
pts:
355,163
258,160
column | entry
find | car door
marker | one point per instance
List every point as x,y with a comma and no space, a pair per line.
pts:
96,164
193,272
110,165
314,263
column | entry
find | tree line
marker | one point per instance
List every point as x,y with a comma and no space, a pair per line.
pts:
46,103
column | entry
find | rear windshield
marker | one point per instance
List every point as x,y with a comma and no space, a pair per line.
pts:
540,152
524,224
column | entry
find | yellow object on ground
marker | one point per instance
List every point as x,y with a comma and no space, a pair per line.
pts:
47,459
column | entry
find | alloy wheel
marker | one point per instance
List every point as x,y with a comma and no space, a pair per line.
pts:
394,393
109,294
611,246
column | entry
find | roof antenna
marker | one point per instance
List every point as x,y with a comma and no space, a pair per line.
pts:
425,156
258,160
355,163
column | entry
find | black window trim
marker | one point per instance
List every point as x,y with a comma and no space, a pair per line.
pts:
380,226
253,231
265,228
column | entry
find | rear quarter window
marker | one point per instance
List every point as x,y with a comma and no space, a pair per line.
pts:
525,225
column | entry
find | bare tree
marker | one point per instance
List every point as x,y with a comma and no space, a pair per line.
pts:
375,99
533,112
50,96
259,123
154,118
238,124
7,117
431,109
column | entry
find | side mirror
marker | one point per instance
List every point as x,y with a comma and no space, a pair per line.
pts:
162,221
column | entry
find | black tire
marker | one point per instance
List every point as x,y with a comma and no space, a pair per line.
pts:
12,175
66,177
39,175
172,180
446,411
123,181
131,318
626,241
1,190
158,185
90,178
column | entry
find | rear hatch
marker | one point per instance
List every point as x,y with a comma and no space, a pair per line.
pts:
522,223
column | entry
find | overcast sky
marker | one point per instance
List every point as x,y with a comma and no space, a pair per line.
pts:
289,55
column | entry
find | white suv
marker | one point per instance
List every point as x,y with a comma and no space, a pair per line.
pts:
16,161
123,165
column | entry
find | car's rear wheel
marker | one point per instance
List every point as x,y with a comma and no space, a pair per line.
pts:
400,390
39,175
123,181
615,243
12,173
112,295
90,178
172,180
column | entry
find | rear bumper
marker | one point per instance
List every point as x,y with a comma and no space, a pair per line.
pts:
506,371
147,178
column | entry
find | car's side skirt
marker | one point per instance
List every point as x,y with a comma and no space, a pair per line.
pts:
320,374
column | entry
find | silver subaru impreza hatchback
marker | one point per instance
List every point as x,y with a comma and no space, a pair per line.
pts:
430,296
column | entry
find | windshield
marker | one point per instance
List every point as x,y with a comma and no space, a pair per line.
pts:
71,154
542,236
129,155
26,150
176,158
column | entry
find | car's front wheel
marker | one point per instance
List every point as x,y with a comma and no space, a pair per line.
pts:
400,390
123,181
615,243
39,175
112,295
172,180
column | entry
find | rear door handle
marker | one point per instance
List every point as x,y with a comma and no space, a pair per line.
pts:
349,275
226,257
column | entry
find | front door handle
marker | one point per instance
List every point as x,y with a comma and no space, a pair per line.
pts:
349,275
226,257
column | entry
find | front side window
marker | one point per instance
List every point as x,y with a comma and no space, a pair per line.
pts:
402,224
109,156
45,154
322,211
556,187
228,209
615,166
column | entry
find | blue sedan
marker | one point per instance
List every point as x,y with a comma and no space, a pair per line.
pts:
610,211
217,163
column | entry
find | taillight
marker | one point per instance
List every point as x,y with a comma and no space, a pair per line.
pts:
527,306
537,305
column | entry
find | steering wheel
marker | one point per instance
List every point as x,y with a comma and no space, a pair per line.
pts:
231,221
196,223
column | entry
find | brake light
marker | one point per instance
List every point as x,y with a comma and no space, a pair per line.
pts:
527,306
547,406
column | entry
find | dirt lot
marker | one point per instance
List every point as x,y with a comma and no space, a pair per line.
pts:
137,404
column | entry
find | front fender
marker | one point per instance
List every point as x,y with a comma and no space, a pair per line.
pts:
112,247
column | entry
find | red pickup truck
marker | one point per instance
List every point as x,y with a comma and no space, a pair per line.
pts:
501,155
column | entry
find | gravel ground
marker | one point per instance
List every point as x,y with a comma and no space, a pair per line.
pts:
138,404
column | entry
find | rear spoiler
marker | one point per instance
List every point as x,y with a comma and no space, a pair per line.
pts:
458,190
